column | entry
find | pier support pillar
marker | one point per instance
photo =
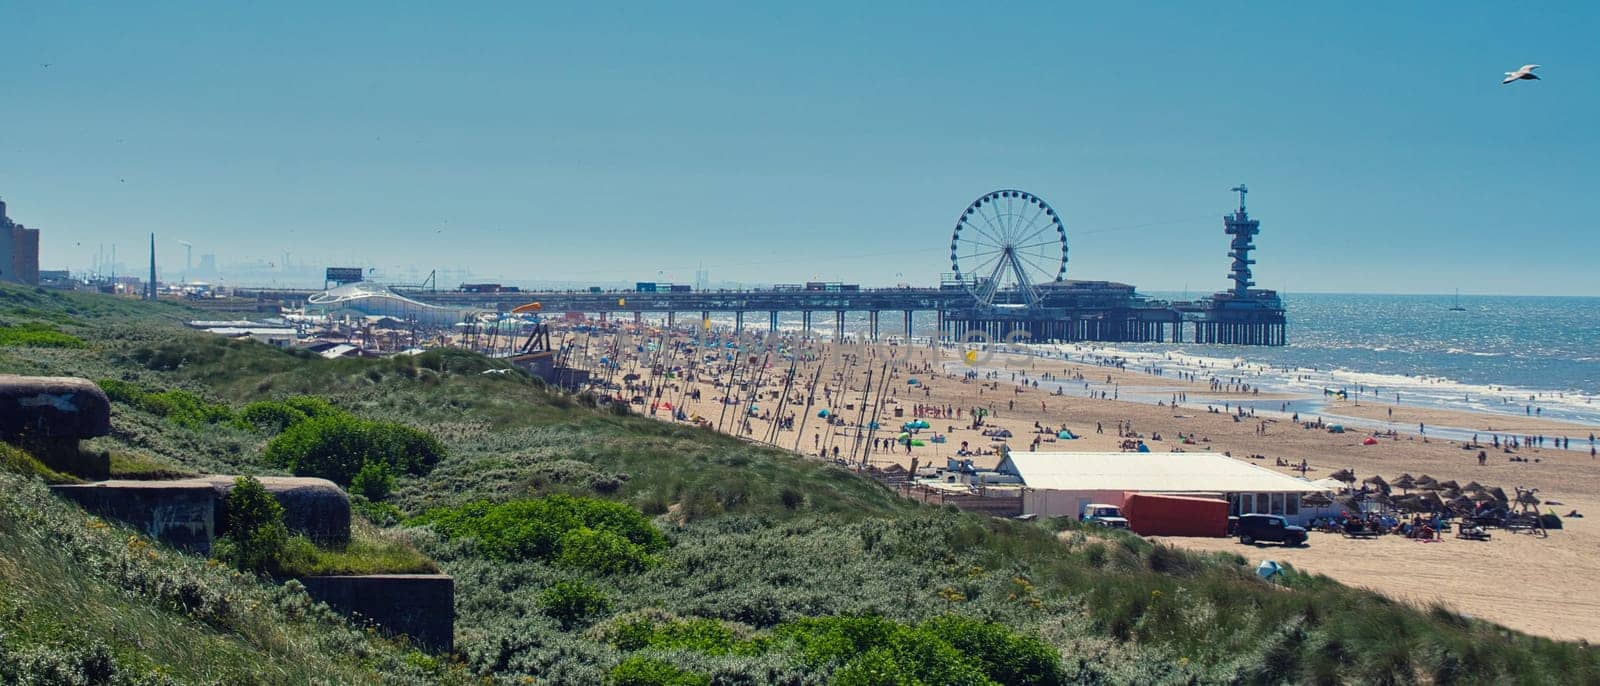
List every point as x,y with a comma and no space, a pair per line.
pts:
838,325
805,324
672,319
772,321
705,320
908,326
738,322
872,317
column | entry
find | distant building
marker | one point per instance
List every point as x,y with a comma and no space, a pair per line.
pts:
19,251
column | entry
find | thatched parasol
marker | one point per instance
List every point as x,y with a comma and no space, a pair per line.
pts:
1316,499
1378,482
1410,503
1427,482
1343,475
1499,494
1473,486
1461,504
1432,500
1404,482
1450,485
1481,496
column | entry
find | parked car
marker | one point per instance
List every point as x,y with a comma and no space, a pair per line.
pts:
1104,515
1270,529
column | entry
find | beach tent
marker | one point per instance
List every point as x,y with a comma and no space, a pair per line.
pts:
1144,448
823,413
919,423
1065,434
1269,570
1335,428
911,382
1369,441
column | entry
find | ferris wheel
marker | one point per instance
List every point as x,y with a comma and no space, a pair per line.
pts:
1005,244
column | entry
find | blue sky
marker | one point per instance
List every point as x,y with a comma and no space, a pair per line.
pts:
836,141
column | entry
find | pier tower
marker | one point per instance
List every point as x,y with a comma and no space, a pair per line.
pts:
1243,229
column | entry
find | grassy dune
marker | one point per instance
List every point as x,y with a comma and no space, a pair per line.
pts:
774,550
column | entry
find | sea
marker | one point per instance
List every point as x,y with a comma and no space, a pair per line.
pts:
1509,355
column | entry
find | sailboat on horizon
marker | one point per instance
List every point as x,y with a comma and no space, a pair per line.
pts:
1457,306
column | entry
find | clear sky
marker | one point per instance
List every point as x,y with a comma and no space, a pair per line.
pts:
797,141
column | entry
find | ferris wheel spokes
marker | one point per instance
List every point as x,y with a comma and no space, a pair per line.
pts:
1002,248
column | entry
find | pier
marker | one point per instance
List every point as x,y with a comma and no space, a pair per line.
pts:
1003,286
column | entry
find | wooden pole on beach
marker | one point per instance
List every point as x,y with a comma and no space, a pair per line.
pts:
877,413
861,417
810,400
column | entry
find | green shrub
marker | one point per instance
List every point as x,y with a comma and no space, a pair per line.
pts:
642,671
271,416
588,533
337,446
185,408
122,391
661,631
1007,657
34,335
373,482
254,538
573,603
601,551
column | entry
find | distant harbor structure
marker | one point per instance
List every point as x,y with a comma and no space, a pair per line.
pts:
1007,282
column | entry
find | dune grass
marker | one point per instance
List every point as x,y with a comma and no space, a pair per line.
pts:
370,551
80,596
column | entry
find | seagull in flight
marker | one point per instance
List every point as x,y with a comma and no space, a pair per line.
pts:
1523,74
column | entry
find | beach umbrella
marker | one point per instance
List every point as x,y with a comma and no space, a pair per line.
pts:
1427,482
1481,496
1404,482
1450,485
1432,500
1316,499
823,413
1499,494
1377,482
1461,504
1409,503
1473,487
1343,475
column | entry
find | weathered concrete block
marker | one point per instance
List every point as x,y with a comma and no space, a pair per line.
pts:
420,606
52,407
48,415
181,513
316,508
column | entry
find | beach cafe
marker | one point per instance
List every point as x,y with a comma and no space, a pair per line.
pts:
1058,484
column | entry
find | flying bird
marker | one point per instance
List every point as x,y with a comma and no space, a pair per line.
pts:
1523,74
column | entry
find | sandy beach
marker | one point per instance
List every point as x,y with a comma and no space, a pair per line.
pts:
1543,586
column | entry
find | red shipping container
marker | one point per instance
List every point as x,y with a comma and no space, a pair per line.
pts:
1175,515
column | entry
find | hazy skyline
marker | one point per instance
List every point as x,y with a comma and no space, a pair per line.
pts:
826,141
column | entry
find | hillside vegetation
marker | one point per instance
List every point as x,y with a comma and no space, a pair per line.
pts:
590,547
